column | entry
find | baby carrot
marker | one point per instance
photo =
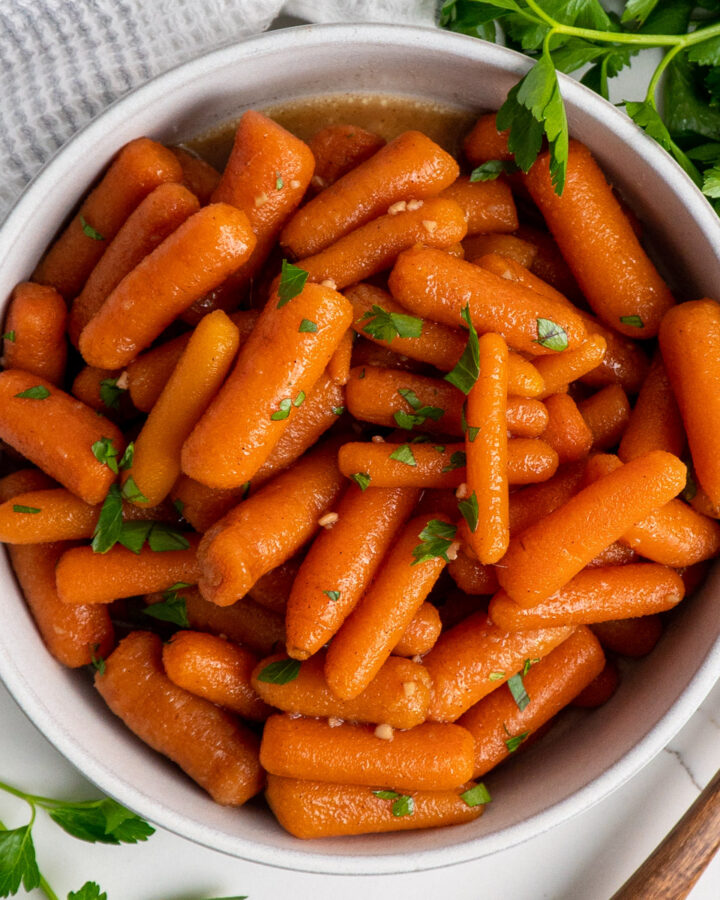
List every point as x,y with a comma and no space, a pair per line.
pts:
196,379
488,205
272,590
23,481
398,695
550,684
567,432
377,623
275,370
560,370
410,167
57,433
606,414
505,245
630,637
209,744
428,757
35,332
551,552
137,170
341,564
476,657
216,669
84,576
198,176
655,422
435,285
549,264
471,576
154,219
339,148
88,388
314,809
595,595
600,689
421,634
193,259
373,247
41,516
596,238
690,346
616,554
485,142
269,527
539,500
486,450
72,634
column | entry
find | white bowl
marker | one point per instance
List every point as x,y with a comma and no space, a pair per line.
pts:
577,764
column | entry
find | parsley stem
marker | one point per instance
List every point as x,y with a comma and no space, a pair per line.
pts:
46,889
657,74
28,798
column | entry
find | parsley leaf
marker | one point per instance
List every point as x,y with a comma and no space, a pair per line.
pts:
279,182
338,410
18,508
403,806
437,537
386,795
333,595
126,459
100,821
512,742
469,510
110,393
385,326
280,672
89,231
635,321
39,392
490,170
476,796
89,891
466,370
134,534
361,479
9,336
404,454
551,335
299,400
97,662
132,492
636,11
283,410
104,452
173,607
164,537
648,118
517,689
307,326
17,861
292,281
457,461
711,182
420,413
496,676
109,525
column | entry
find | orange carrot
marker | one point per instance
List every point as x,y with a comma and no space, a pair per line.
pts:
398,696
57,433
630,637
616,554
597,240
138,169
410,167
655,422
476,657
485,142
538,500
339,148
154,219
595,595
276,368
549,264
551,552
486,449
567,432
41,516
437,286
377,623
198,176
272,590
341,564
606,414
89,389
269,527
427,757
35,332
488,205
505,245
209,744
471,576
23,481
600,689
421,634
560,370
338,369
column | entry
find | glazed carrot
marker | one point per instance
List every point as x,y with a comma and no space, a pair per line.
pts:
148,374
539,500
272,590
373,247
44,515
624,361
339,148
410,167
338,369
57,433
616,554
630,637
597,240
218,670
600,689
269,527
201,505
196,379
463,660
193,259
488,205
154,219
471,576
366,353
23,481
84,576
550,683
88,385
486,450
434,500
485,142
434,285
595,595
551,552
421,634
529,460
398,696
198,176
377,623
382,396
275,370
138,169
567,432
35,332
72,634
690,345
549,264
209,744
341,564
506,245
427,757
314,809
560,370
655,422
607,414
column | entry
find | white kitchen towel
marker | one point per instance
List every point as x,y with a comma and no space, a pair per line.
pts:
63,61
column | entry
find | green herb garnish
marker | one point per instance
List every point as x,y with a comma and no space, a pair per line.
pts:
517,689
476,796
420,413
404,454
633,321
292,281
89,231
18,508
307,326
493,168
283,410
385,326
280,672
551,335
437,537
466,370
173,607
9,336
332,595
361,479
104,452
469,510
39,392
458,459
110,393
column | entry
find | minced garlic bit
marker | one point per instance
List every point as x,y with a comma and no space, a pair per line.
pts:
329,283
334,722
414,204
396,208
461,491
318,182
261,199
430,225
416,659
294,184
377,439
409,688
384,732
123,380
328,520
452,550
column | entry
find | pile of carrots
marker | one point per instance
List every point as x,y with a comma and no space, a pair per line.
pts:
349,481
